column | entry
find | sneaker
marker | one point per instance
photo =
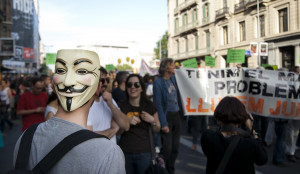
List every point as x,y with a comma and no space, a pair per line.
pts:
292,158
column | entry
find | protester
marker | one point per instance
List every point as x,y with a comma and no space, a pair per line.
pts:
167,100
142,113
7,104
232,116
52,106
104,116
47,82
32,104
76,82
119,93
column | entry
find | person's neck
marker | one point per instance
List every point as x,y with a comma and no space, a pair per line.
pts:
135,101
122,86
167,76
78,116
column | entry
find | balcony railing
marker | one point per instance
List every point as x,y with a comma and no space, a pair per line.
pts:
194,53
186,4
221,12
187,27
205,20
239,6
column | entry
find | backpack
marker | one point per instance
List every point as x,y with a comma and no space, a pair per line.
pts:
53,156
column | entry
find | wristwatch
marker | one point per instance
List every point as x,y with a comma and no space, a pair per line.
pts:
154,123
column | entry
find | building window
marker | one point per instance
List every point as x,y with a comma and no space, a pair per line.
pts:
262,26
205,10
196,42
207,33
176,25
195,15
186,44
283,20
184,20
176,3
225,35
178,48
242,26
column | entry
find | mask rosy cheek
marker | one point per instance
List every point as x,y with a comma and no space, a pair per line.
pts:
87,80
56,78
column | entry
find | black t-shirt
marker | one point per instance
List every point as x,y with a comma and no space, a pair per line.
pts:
118,95
137,139
247,152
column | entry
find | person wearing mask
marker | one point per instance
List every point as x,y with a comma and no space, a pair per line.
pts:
166,98
76,83
235,122
142,114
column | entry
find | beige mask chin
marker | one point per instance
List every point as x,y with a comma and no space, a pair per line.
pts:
76,77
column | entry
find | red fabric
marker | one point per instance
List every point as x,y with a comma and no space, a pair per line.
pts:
29,101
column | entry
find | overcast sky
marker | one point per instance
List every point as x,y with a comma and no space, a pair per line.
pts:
67,23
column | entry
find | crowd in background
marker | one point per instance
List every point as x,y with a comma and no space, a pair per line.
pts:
148,102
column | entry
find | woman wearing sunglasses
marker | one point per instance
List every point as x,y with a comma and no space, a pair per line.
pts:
142,114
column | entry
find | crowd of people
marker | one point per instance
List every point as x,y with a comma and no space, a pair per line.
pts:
127,108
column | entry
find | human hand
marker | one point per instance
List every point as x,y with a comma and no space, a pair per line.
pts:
134,120
165,129
147,117
107,96
40,110
249,122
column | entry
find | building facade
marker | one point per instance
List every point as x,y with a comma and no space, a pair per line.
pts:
199,28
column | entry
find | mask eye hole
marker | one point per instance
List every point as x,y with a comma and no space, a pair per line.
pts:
60,71
81,71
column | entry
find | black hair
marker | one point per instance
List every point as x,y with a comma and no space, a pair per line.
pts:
52,97
121,75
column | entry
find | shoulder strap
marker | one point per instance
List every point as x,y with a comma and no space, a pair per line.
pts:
64,147
227,154
25,147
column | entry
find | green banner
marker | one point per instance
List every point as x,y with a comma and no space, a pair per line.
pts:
236,56
275,67
190,63
210,61
109,67
50,58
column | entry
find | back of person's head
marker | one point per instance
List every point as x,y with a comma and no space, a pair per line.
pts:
52,97
121,77
34,80
230,110
163,67
103,71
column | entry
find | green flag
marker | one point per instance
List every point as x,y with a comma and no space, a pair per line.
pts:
190,63
236,56
50,58
210,61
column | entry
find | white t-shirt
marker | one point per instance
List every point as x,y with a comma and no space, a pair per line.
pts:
149,91
100,116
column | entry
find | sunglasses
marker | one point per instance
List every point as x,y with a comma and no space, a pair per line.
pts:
136,84
102,80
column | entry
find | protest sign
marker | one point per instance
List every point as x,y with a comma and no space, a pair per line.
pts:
236,56
210,61
109,67
273,94
190,63
50,58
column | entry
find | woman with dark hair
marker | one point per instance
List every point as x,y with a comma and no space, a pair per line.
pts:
142,114
234,120
52,106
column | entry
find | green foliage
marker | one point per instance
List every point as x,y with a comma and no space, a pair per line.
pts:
124,67
164,47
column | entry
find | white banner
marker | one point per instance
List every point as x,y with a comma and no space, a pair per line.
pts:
264,92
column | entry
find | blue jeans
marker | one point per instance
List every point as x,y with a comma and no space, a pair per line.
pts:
281,133
136,163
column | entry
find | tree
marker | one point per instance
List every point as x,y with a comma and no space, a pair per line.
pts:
163,45
124,67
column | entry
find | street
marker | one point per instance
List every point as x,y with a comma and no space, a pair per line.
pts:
188,161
